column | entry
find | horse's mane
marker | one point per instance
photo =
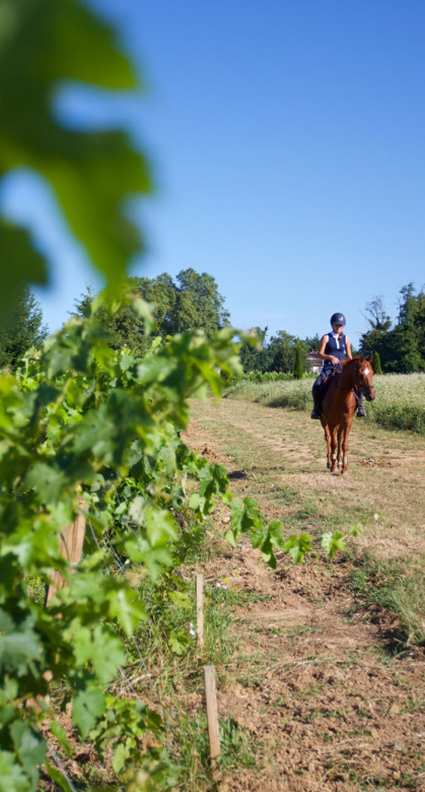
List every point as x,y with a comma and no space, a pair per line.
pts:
350,361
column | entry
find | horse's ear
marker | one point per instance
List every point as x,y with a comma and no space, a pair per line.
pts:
369,359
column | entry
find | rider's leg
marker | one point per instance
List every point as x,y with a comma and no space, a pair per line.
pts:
316,396
361,410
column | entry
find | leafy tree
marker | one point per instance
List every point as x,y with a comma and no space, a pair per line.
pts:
312,342
376,337
283,350
163,293
255,358
401,348
198,304
279,354
125,327
377,316
22,327
193,303
282,346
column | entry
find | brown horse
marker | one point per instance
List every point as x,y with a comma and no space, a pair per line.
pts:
339,404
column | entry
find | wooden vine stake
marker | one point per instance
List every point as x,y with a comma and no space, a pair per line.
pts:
212,713
71,543
200,610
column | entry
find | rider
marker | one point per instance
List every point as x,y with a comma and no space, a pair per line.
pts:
333,348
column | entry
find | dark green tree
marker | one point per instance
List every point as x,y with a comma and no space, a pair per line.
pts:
282,347
125,327
407,343
252,358
377,363
376,338
22,327
161,291
298,367
312,343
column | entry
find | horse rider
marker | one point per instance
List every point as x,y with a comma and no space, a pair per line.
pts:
334,347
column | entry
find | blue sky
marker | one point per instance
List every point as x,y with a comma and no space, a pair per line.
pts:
287,143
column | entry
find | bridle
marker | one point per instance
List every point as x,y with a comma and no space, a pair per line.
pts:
360,387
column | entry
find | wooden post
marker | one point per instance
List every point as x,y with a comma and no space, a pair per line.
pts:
71,543
200,610
212,712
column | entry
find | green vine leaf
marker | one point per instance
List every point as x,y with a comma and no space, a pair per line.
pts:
297,547
88,706
331,542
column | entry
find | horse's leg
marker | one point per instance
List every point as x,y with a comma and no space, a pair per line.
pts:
347,428
333,450
327,439
340,435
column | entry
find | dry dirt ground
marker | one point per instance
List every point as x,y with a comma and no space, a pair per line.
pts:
316,683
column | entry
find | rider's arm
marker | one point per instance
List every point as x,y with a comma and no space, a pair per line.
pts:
321,352
348,347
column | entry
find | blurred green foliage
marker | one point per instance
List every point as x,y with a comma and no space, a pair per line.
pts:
44,43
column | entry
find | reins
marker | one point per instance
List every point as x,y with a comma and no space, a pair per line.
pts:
356,384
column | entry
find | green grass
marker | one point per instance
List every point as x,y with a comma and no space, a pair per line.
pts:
397,586
399,403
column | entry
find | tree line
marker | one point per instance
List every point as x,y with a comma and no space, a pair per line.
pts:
192,301
400,346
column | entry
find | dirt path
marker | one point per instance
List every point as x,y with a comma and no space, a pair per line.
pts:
325,701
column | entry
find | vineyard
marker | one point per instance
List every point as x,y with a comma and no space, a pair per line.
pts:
90,431
128,448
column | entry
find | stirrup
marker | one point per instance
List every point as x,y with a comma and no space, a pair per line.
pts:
361,412
315,413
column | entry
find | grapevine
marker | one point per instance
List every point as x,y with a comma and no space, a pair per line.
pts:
83,427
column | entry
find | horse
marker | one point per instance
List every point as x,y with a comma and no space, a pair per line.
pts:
339,404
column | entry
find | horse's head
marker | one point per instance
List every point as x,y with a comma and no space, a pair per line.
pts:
364,377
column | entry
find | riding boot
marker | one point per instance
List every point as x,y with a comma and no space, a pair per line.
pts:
361,411
316,396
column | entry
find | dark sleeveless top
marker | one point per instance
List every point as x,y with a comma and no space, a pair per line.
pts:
335,347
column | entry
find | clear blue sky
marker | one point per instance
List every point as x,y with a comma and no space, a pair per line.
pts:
287,142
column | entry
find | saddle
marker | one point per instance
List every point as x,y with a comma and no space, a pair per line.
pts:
323,389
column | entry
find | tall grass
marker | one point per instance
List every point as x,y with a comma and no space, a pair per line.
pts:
399,403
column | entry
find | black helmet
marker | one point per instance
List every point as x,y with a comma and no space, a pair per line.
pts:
338,318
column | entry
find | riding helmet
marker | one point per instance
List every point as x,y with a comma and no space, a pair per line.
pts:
338,318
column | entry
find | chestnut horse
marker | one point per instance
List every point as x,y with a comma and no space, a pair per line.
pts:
339,405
